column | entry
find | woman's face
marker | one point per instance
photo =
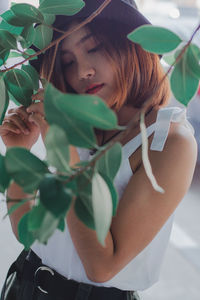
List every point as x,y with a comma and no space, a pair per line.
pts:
86,67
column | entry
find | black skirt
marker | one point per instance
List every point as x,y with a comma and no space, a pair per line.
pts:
29,279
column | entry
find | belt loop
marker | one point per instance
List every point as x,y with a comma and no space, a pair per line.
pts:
83,291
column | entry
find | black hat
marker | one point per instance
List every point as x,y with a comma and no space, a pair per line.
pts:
122,11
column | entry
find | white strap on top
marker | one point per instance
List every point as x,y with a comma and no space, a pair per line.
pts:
163,120
164,117
161,127
130,147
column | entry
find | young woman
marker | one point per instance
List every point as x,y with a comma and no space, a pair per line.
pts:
99,59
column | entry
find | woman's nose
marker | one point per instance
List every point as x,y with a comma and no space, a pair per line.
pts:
86,71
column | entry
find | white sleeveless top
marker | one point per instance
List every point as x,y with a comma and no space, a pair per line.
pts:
143,271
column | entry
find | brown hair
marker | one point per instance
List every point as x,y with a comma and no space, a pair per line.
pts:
137,72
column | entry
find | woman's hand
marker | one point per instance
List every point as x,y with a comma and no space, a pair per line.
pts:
21,127
37,116
17,131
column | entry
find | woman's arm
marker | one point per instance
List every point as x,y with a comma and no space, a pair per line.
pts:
142,211
16,192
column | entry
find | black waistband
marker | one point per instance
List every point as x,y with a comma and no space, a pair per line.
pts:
47,280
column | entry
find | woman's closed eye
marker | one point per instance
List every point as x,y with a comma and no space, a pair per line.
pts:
67,64
93,50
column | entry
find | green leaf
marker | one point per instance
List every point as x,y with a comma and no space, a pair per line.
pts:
171,59
3,99
155,39
110,162
12,29
78,133
12,98
28,13
4,176
29,36
86,108
37,224
183,84
7,40
26,169
30,52
14,54
57,147
83,203
113,192
83,213
60,7
102,207
55,197
49,19
19,85
193,60
43,36
36,217
61,225
12,19
25,236
4,108
42,223
14,207
48,227
4,53
33,74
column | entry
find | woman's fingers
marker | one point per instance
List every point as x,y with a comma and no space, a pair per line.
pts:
7,126
17,121
21,111
36,108
39,120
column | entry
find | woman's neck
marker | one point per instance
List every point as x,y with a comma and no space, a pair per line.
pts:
124,116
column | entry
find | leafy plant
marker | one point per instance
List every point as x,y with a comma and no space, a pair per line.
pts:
72,119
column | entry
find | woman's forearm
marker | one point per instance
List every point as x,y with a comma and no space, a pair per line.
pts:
15,192
96,259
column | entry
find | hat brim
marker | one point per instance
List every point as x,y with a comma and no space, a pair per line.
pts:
117,10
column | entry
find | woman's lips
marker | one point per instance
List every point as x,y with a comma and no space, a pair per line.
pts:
94,89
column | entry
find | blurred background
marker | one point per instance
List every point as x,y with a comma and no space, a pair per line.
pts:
180,274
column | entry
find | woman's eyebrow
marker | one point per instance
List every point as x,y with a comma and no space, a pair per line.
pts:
82,40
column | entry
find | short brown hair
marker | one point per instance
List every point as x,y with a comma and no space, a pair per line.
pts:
137,72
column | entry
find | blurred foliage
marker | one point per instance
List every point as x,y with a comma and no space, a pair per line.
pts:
72,119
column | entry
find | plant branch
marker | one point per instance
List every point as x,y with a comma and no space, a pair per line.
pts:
10,200
68,32
55,29
53,62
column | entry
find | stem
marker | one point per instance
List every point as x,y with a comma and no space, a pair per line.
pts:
55,29
9,200
23,52
53,62
67,33
182,52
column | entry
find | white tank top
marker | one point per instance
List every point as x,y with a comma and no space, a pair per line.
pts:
143,271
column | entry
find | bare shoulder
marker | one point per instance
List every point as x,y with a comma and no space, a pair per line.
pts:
174,166
182,133
180,146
